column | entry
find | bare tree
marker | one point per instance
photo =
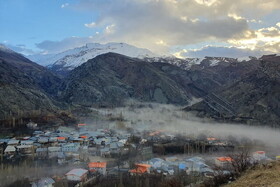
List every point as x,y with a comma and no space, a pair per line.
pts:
241,161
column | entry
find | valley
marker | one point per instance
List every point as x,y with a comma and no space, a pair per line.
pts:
156,118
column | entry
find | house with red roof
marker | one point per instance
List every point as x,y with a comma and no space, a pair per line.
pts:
97,167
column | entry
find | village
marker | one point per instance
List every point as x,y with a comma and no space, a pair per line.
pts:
94,153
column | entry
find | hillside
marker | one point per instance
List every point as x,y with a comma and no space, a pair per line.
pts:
112,78
262,175
254,98
26,88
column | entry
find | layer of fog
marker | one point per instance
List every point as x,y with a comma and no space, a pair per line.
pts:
173,120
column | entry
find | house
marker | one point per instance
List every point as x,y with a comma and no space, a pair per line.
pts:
43,140
26,142
42,152
259,155
26,138
84,137
13,142
167,169
171,159
211,139
25,149
44,182
105,152
76,140
70,147
77,175
195,164
98,167
53,140
140,169
114,147
53,151
10,150
223,161
156,163
61,139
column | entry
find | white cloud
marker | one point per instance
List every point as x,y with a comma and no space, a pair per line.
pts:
161,24
264,39
64,5
90,25
63,45
218,51
110,29
206,2
176,22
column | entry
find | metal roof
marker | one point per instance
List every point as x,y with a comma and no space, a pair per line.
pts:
43,182
77,172
26,142
24,146
10,149
12,141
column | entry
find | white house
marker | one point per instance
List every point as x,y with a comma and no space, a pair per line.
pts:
10,150
77,175
259,155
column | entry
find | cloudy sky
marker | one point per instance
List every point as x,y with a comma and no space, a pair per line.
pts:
185,28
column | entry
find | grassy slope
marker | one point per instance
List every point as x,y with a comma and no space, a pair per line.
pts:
261,175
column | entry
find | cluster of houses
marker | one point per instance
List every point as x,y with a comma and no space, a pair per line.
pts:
80,141
173,166
66,142
168,166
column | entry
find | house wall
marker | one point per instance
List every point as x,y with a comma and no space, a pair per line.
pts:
257,156
222,164
100,170
73,178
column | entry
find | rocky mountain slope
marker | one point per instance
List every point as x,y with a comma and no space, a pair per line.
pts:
111,78
70,59
246,91
254,99
188,63
24,85
66,61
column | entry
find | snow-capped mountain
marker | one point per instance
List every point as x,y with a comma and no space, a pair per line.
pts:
72,58
188,63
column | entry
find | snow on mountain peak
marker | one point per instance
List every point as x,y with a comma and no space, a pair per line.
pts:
77,56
